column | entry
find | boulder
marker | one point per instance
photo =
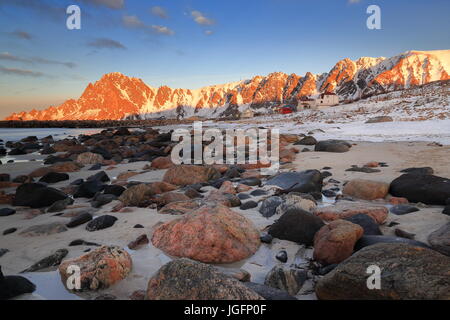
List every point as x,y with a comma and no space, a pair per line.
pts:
100,268
5,212
88,189
293,200
65,167
101,223
287,279
369,225
99,176
138,195
52,260
162,163
269,293
37,195
345,209
338,146
102,199
225,199
60,205
407,272
114,189
402,209
419,171
180,207
89,158
183,175
366,189
307,141
248,205
269,206
439,240
184,279
79,219
296,225
54,177
13,286
138,242
170,197
334,242
305,181
211,234
428,189
369,240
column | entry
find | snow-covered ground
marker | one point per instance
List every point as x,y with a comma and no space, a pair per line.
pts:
420,114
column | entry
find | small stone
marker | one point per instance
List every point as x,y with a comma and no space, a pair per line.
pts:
9,231
101,223
282,256
80,219
266,238
140,241
248,205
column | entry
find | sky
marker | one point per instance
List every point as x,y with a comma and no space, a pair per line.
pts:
194,43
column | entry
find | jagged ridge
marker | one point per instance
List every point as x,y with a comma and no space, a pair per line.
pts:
116,96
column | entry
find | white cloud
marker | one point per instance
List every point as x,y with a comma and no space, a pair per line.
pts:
162,30
209,32
132,22
159,12
354,1
200,18
112,4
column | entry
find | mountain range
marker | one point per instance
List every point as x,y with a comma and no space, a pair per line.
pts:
116,96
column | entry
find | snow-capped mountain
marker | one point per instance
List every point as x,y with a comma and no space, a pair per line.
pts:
116,96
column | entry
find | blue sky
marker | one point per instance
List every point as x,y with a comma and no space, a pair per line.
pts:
193,43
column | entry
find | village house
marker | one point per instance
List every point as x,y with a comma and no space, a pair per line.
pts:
324,100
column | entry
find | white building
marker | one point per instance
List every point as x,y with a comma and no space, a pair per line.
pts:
325,100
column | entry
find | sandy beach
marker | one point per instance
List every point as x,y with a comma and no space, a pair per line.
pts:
147,260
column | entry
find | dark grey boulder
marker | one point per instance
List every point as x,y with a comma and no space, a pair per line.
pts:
428,189
401,209
13,286
439,239
306,141
5,212
269,293
88,189
367,223
419,171
369,240
52,260
248,205
338,146
269,206
296,225
305,181
54,177
80,219
37,195
114,189
101,223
